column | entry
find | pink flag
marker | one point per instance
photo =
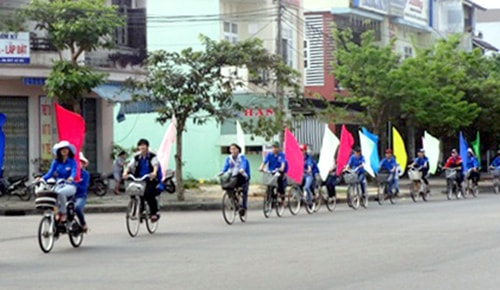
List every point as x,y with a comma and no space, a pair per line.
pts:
294,157
166,145
345,148
71,128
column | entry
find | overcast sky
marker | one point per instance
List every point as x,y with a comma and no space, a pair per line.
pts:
488,3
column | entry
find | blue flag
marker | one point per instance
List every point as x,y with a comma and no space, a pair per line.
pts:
463,151
374,159
3,119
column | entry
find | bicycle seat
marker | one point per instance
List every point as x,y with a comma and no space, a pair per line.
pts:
13,179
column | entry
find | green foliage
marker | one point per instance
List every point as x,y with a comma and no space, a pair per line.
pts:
117,149
366,72
12,22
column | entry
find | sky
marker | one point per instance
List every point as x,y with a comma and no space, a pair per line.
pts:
489,4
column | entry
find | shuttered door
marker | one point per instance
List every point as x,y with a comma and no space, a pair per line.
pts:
16,160
309,131
89,112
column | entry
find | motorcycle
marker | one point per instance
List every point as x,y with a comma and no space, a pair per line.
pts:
168,181
17,186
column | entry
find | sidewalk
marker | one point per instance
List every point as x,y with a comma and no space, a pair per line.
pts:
207,197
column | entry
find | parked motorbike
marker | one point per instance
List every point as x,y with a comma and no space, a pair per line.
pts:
168,181
17,186
98,184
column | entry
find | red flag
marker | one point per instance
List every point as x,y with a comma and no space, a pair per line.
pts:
294,157
345,148
71,128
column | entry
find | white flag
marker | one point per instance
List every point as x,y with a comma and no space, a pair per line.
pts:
166,145
240,136
327,153
367,147
432,150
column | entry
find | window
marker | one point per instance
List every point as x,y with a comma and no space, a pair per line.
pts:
408,52
306,53
287,47
231,32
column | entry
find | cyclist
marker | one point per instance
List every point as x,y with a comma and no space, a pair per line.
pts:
145,162
239,167
455,162
357,162
388,165
422,164
331,180
82,186
275,160
495,164
63,167
309,173
473,166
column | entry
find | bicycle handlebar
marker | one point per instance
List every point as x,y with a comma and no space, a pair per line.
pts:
133,178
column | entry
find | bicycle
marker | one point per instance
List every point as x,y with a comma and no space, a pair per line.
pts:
384,191
452,183
354,195
321,196
271,198
298,196
231,201
471,187
417,185
49,228
138,210
495,173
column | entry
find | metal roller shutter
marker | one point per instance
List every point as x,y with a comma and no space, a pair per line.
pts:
16,161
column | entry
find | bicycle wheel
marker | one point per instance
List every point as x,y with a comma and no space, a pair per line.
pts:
468,190
26,194
318,199
100,188
381,194
267,206
46,232
133,217
353,197
496,185
310,208
280,205
475,190
75,234
228,209
414,189
294,200
150,225
449,191
365,200
331,203
458,192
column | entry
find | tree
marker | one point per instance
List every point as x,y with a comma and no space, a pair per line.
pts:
191,84
365,70
74,26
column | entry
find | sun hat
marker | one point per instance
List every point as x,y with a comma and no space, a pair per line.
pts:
83,158
63,144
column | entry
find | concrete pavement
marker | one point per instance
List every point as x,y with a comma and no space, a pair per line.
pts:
435,245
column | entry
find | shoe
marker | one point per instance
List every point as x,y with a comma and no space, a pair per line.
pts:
242,211
154,218
85,229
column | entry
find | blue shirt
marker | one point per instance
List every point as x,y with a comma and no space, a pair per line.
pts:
274,161
241,161
496,162
472,162
355,162
308,163
144,166
388,164
82,186
420,162
61,170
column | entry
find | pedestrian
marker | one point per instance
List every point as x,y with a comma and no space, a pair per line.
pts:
118,170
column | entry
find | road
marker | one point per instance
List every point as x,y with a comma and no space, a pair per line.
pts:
437,245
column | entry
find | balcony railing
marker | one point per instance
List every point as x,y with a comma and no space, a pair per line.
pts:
41,44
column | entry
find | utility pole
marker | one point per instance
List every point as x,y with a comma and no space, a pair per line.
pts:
280,99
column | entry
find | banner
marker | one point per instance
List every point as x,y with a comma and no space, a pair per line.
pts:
294,157
415,11
374,159
463,151
367,147
476,146
46,141
431,147
327,153
166,145
380,6
15,47
399,150
3,119
240,136
71,128
345,149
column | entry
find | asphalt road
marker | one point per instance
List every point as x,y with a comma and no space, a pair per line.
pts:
435,245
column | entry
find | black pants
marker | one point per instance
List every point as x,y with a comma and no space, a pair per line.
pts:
425,171
281,184
331,181
474,175
150,195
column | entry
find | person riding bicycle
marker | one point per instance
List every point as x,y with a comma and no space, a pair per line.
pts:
63,167
331,180
82,186
455,162
389,165
357,162
145,162
310,171
473,166
422,164
275,160
239,167
495,164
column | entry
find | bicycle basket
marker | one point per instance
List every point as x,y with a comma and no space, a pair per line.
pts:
270,179
351,178
228,182
135,188
495,173
45,200
451,174
383,177
414,175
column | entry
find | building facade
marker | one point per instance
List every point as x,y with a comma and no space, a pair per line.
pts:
487,27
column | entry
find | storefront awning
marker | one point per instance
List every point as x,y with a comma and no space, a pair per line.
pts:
357,12
401,21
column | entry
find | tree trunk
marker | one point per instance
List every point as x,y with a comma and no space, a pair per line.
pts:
178,161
